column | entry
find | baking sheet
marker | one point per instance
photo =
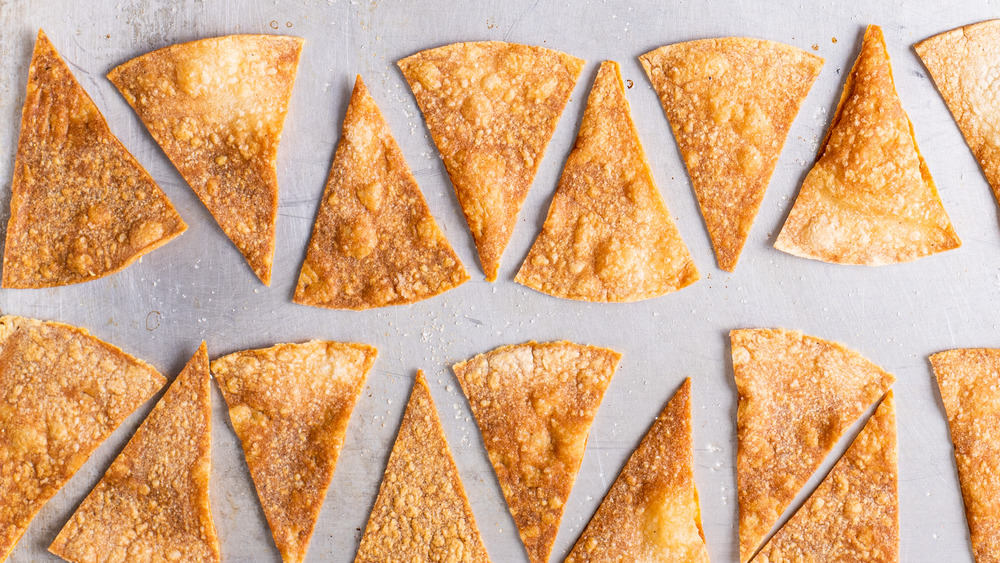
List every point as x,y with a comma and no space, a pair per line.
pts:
199,287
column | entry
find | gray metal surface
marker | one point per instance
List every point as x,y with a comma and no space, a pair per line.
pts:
199,287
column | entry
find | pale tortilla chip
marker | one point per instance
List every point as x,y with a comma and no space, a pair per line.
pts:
81,207
534,404
608,235
651,512
62,393
290,405
421,513
870,199
854,513
153,502
491,108
730,103
969,380
216,107
375,242
797,397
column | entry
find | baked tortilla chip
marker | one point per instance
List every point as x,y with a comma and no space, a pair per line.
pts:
608,235
854,513
216,107
62,393
969,380
797,397
153,502
375,242
290,405
81,207
870,199
421,513
534,404
651,512
491,108
730,103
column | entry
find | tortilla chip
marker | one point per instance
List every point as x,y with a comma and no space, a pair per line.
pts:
153,502
969,380
290,405
854,513
730,103
81,207
797,397
651,512
534,404
608,235
375,242
422,513
217,107
491,108
870,199
62,393
962,63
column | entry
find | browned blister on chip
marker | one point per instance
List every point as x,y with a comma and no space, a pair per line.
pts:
152,504
534,404
491,108
730,103
375,242
870,198
81,206
608,235
216,107
421,513
797,397
969,380
853,515
651,512
290,405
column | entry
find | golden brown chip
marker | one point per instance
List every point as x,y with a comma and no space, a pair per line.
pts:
854,513
81,207
375,242
491,108
651,512
797,397
290,405
870,198
962,63
62,393
608,235
969,380
730,103
421,513
152,503
534,404
217,107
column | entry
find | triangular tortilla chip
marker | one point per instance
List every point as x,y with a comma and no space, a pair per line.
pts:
797,397
153,501
962,63
534,404
651,512
969,380
870,198
216,107
853,515
608,235
375,242
62,392
421,513
290,405
81,207
730,103
491,108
